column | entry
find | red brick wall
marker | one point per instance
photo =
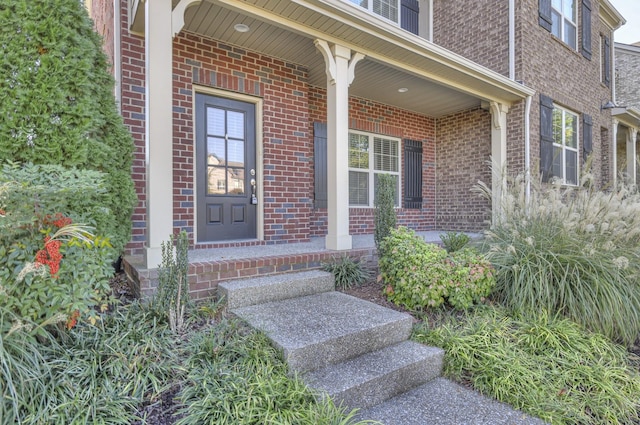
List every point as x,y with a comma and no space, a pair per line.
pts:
132,110
102,14
463,149
366,115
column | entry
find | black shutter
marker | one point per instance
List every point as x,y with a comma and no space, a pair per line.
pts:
546,137
320,163
607,61
409,14
412,174
544,14
587,136
586,29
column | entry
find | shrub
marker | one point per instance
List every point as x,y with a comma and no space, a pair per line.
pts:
57,100
346,272
50,267
545,366
454,241
173,283
384,209
420,275
572,251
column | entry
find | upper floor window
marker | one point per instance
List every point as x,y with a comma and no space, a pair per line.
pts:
404,13
369,156
563,21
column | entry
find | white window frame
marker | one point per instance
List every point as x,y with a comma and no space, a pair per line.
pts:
371,171
368,6
563,21
565,148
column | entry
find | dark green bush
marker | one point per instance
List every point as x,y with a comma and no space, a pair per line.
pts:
57,100
420,275
384,209
347,272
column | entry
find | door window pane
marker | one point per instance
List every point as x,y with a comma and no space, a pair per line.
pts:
235,124
216,180
235,177
215,151
215,122
236,153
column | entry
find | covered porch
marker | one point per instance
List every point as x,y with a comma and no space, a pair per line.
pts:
341,55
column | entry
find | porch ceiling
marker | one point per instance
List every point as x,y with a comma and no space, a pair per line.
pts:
438,81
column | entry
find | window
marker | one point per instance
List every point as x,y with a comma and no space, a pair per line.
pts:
405,13
565,145
563,21
369,156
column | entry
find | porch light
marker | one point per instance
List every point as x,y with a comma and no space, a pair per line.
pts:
241,27
403,90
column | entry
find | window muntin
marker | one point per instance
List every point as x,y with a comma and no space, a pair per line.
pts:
565,145
563,21
369,156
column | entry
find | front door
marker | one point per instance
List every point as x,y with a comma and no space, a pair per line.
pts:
225,168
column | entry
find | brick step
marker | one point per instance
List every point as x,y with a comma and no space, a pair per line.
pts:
374,377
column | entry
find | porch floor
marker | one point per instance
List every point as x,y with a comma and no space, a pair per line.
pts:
208,267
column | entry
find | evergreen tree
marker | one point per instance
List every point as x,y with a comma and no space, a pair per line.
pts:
57,102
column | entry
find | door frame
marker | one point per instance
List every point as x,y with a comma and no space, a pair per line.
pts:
258,104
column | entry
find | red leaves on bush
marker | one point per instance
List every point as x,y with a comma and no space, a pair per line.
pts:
58,220
73,319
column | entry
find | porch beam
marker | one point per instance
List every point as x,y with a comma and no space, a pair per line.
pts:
158,128
498,157
339,68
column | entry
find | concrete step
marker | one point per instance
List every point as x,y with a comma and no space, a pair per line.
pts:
442,402
377,376
327,328
258,290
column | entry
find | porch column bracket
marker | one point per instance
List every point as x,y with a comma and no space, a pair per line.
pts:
497,109
330,54
357,57
177,15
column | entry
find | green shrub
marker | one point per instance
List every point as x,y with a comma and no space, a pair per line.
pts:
347,272
548,367
420,275
454,241
51,267
384,209
572,251
57,100
173,283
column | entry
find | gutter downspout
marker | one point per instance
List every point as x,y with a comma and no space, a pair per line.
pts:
117,54
527,150
512,40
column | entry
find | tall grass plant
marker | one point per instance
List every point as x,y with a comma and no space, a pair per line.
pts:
569,250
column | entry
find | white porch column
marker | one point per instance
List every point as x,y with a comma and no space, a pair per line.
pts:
158,127
340,67
498,156
631,154
614,154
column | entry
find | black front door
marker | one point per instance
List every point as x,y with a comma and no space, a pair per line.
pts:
225,168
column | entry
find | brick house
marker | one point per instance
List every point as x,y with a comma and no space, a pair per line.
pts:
627,118
267,121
